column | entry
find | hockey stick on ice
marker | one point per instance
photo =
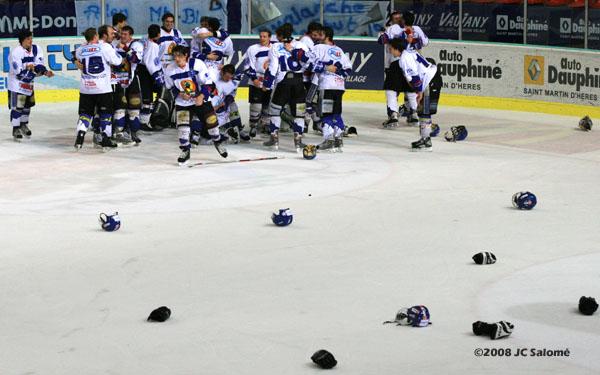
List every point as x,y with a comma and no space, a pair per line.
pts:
234,161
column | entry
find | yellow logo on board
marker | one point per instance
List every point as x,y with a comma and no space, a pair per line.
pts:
533,71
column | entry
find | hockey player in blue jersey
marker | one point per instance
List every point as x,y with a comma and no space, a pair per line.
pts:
26,63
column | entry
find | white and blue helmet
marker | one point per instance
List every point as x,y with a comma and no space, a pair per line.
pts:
456,133
524,200
283,218
416,316
110,223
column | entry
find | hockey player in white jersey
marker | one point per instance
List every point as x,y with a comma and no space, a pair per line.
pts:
128,97
402,27
223,101
332,66
287,60
211,50
214,26
95,86
150,73
26,62
191,86
424,78
313,36
169,38
416,40
254,65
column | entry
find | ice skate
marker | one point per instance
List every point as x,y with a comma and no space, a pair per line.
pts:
412,119
403,111
135,138
421,145
17,135
107,143
25,130
273,142
79,140
392,121
184,156
253,131
298,142
326,145
97,139
244,136
220,148
233,134
338,144
123,138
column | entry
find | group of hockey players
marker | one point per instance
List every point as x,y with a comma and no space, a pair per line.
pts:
160,81
410,74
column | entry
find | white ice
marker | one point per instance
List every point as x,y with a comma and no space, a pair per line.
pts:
375,228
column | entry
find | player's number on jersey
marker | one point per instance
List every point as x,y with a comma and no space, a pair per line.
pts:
288,64
93,65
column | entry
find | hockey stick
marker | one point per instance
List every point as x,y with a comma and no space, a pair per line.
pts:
234,161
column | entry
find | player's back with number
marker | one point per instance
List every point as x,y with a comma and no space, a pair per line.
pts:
282,61
96,59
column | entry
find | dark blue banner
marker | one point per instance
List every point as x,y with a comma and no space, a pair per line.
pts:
366,57
50,18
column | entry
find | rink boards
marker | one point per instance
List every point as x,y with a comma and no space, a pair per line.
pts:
500,76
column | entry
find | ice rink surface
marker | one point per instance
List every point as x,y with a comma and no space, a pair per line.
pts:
375,229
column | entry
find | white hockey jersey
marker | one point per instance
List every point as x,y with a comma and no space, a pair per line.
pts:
224,94
96,59
189,80
323,55
132,54
20,79
308,41
254,60
282,61
218,47
418,71
151,59
419,41
168,40
310,44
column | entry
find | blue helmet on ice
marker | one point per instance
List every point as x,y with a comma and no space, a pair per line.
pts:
283,218
524,200
456,133
418,316
110,223
435,130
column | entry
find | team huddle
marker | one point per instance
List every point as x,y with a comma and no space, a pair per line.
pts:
161,81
